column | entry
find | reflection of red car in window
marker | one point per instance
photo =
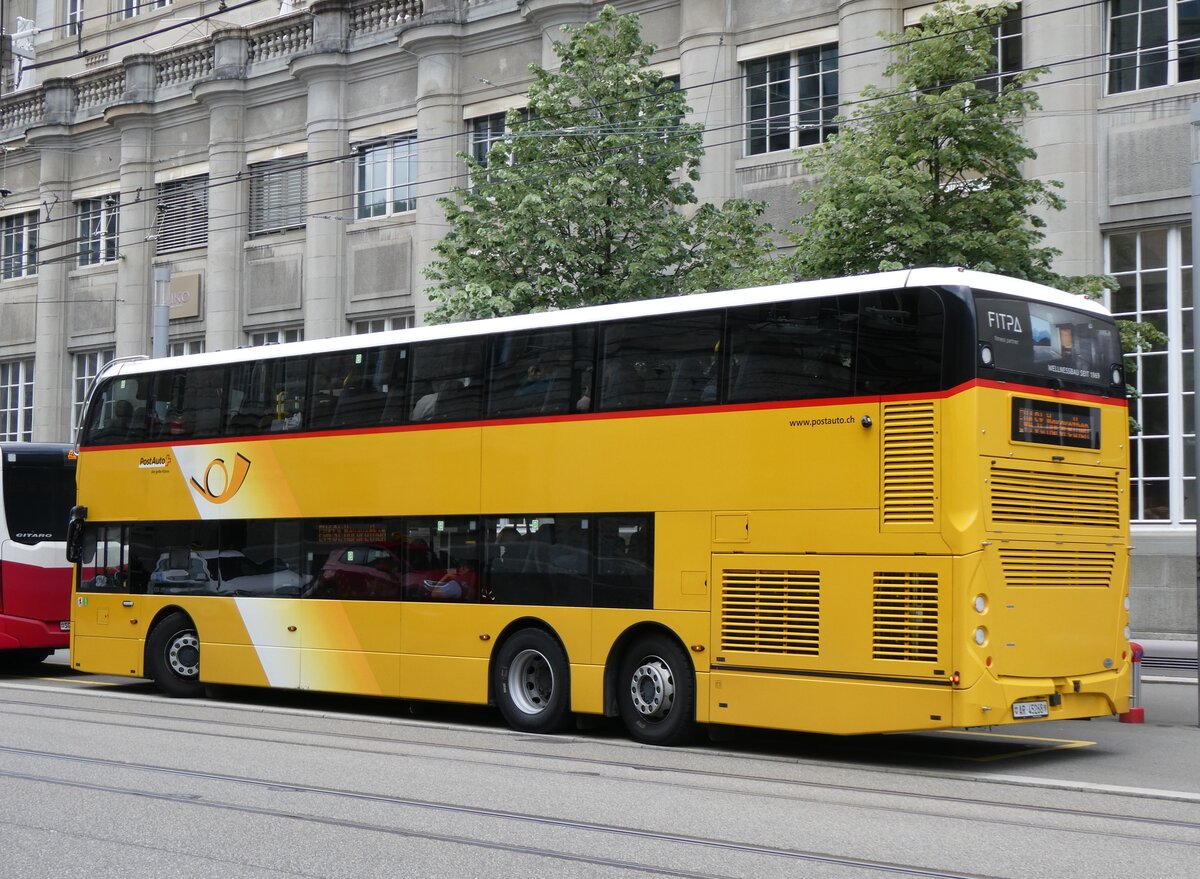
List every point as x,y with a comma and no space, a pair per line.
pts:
376,571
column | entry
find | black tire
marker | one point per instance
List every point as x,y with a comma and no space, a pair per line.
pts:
531,679
173,657
656,692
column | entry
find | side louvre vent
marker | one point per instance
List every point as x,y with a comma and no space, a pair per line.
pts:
906,616
909,489
771,612
1025,496
1057,567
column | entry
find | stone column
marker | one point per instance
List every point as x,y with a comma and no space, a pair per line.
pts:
52,373
1063,133
549,16
707,55
329,197
135,287
861,55
224,95
441,135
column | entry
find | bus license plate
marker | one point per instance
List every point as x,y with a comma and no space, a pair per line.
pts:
64,626
1030,709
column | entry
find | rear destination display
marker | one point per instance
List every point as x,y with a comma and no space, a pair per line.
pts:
1055,424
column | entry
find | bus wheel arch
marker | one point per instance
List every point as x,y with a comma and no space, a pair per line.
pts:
529,677
172,656
650,682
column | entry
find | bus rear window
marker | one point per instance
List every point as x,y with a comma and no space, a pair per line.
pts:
1046,341
39,491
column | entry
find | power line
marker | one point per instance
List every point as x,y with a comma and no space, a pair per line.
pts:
251,175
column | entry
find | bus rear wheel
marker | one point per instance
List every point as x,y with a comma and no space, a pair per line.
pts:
531,682
656,692
173,657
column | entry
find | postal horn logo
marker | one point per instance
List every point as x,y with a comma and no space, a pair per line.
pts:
226,485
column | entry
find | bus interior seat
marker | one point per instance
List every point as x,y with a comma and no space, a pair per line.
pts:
204,413
358,407
688,383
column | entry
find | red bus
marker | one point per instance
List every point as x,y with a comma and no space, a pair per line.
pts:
37,491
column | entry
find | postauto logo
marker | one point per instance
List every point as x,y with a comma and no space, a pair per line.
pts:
218,484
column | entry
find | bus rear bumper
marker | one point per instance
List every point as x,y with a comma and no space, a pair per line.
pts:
18,633
1001,700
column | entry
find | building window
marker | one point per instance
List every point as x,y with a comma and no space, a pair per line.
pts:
381,324
1152,43
16,401
87,366
1008,52
791,99
386,174
130,8
1154,267
485,131
18,257
276,337
74,16
180,347
99,227
182,221
278,192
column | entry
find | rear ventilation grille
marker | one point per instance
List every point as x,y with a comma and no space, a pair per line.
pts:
771,612
909,464
906,616
1058,567
1021,496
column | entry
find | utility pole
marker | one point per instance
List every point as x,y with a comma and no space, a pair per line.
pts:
1195,140
161,311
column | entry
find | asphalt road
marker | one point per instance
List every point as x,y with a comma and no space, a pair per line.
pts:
103,777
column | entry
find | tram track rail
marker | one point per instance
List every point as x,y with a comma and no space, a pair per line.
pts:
658,837
937,805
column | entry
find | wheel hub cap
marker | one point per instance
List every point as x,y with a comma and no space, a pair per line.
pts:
530,682
184,655
653,689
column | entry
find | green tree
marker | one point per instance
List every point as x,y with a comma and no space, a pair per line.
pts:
589,198
929,171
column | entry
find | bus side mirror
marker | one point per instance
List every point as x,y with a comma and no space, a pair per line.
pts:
75,534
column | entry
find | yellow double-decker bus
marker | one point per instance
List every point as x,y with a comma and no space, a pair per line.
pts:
880,503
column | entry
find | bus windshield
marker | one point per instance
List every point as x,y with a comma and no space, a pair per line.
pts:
39,489
1047,341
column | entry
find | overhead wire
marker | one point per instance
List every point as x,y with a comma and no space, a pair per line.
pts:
250,174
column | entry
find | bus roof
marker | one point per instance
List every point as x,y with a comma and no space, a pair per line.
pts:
920,277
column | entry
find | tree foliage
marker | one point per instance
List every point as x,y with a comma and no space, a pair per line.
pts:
588,199
929,171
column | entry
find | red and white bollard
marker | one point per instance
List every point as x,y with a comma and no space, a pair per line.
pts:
1136,713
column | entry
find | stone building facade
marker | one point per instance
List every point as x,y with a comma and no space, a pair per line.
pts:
281,161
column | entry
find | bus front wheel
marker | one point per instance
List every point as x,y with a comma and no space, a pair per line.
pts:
656,692
531,681
173,657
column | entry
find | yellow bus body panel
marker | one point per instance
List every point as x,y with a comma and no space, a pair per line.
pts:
815,583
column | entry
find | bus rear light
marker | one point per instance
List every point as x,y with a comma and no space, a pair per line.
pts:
980,603
985,355
988,662
955,678
981,636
